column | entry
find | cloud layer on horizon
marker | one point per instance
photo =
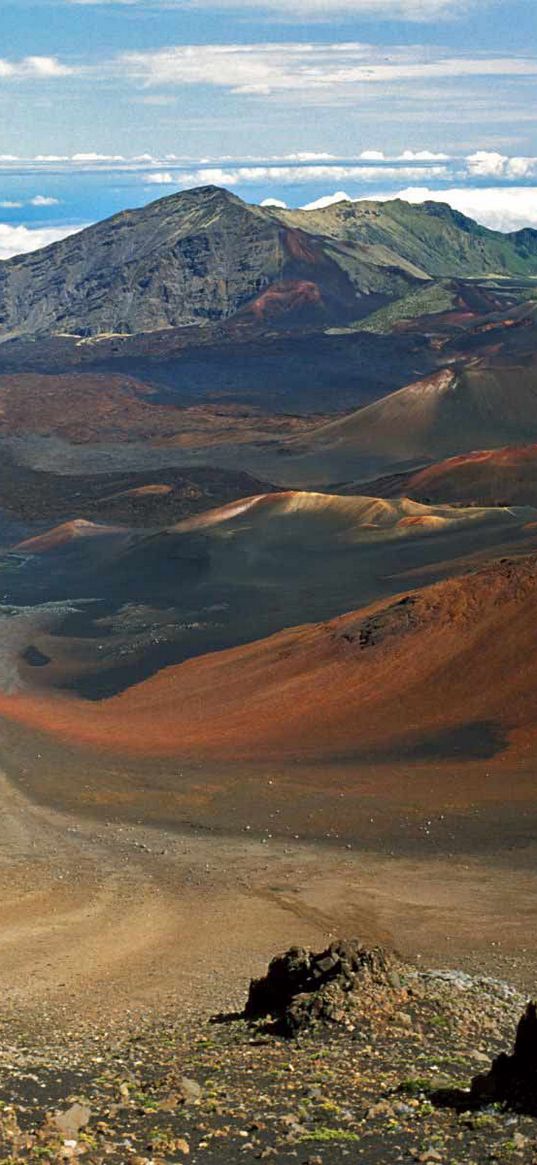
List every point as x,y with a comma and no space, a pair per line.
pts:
500,208
21,240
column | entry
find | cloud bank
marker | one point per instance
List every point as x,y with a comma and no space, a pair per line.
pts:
20,240
499,208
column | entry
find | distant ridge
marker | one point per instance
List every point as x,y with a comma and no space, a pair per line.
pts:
206,256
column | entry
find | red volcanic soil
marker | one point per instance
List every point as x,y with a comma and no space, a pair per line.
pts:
400,676
486,477
97,407
300,246
65,534
80,407
295,295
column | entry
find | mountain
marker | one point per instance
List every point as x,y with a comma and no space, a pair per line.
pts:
204,255
191,258
432,235
483,402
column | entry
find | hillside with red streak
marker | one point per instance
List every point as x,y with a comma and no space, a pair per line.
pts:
396,675
296,295
505,476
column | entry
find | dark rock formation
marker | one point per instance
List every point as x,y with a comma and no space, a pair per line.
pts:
302,988
512,1080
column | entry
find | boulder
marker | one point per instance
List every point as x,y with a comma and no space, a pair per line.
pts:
302,988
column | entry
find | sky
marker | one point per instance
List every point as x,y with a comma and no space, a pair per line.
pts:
107,104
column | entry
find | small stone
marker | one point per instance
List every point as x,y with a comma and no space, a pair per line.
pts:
70,1122
189,1090
382,1108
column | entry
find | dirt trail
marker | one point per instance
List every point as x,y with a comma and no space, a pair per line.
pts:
103,920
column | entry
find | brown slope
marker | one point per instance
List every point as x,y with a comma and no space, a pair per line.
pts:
449,662
455,410
63,536
486,477
82,407
322,521
102,408
282,521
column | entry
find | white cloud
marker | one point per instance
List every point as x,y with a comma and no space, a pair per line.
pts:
328,200
161,179
486,164
20,240
286,175
489,164
304,156
37,68
44,200
37,200
91,157
421,156
263,69
507,208
274,202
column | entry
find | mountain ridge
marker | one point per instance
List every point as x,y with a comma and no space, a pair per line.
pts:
205,255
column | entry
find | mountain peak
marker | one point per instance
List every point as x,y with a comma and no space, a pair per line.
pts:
209,193
204,255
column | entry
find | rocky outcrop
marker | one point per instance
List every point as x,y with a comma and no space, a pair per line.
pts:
512,1080
301,988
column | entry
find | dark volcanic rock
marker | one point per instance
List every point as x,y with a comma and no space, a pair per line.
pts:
302,988
512,1080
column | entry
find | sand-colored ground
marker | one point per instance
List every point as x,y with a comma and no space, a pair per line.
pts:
102,920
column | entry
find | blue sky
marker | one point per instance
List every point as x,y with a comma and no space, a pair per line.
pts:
106,105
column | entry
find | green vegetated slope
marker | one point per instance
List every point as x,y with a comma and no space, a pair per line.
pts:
432,235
